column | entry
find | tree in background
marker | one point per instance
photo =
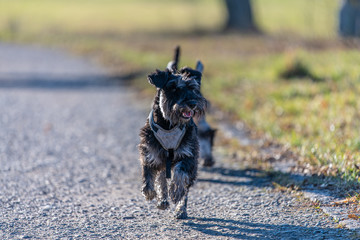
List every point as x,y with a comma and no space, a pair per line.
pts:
240,16
349,18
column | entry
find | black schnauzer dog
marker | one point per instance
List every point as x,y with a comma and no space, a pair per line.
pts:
206,133
206,136
169,141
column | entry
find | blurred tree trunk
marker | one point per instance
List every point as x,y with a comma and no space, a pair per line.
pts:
240,16
349,18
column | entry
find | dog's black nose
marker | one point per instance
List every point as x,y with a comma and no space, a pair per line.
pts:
191,104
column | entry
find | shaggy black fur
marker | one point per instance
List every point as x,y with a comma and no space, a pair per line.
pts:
177,101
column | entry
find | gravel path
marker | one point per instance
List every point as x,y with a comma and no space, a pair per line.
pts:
69,166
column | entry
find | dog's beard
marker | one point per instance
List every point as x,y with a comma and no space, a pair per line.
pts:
180,113
200,108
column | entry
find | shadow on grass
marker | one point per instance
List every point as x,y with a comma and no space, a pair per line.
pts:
171,34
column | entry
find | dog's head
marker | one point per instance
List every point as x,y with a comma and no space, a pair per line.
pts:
179,94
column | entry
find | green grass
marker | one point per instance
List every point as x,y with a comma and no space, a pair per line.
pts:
307,17
318,119
300,17
108,16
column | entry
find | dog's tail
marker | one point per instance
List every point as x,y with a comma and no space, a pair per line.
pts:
173,65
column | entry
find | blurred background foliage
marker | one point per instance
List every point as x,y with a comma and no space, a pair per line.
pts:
305,18
294,81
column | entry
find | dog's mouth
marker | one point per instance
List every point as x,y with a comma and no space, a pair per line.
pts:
187,114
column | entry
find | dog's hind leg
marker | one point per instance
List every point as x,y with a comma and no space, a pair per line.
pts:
148,177
161,190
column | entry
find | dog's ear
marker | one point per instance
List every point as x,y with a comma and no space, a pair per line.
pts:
159,78
189,72
199,66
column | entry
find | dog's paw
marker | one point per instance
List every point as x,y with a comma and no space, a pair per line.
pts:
148,192
181,214
209,162
164,204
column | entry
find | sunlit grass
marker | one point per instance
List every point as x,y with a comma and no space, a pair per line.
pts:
301,17
305,17
108,16
319,119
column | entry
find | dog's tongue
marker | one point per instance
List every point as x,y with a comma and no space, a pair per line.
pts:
187,114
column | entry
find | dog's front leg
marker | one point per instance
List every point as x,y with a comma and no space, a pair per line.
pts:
148,175
184,176
185,173
179,182
180,211
161,190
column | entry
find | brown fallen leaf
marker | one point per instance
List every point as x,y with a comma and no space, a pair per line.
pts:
353,216
346,201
